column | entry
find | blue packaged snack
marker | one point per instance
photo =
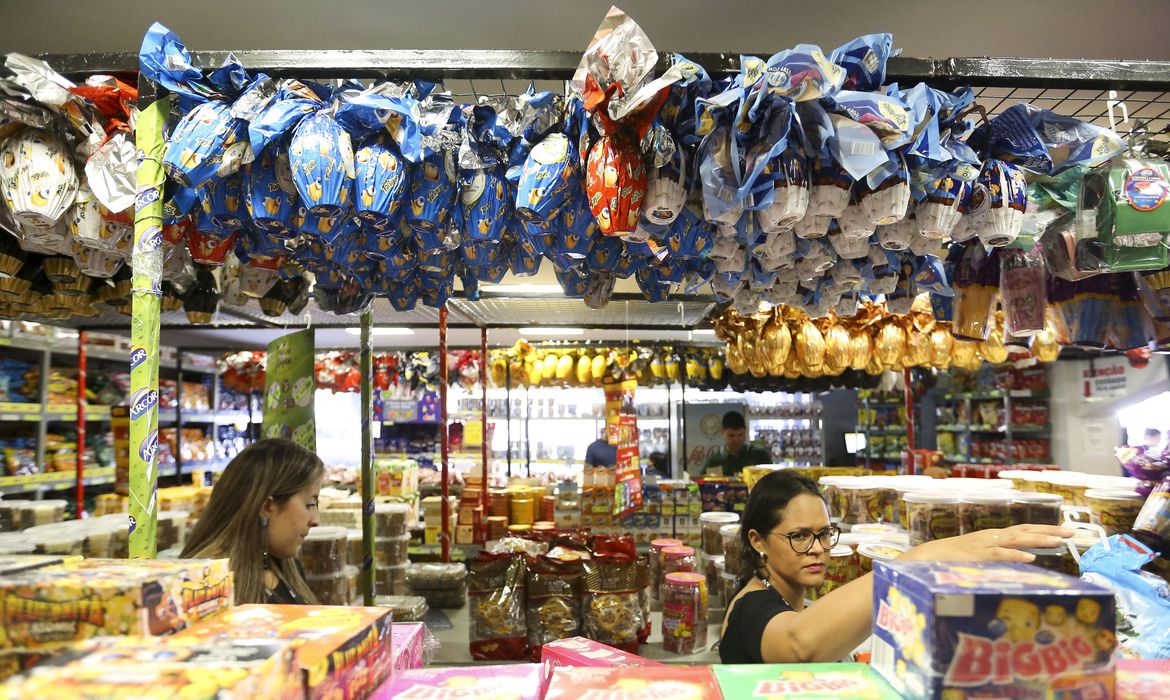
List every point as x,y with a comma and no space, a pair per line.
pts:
654,287
164,59
380,184
270,195
379,247
294,101
1044,141
803,73
630,261
547,178
573,281
690,236
577,232
436,261
401,265
1007,196
605,254
483,253
938,210
492,274
864,61
485,204
326,228
1143,599
404,296
321,158
206,143
223,203
523,263
991,630
432,195
435,289
373,111
789,178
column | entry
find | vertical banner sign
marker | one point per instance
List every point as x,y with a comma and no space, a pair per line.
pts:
288,390
621,430
146,301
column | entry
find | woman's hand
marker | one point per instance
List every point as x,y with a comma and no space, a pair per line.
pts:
992,545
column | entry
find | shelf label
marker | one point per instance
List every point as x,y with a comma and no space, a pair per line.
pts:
399,411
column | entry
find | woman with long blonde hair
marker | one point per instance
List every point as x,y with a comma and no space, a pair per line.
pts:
260,512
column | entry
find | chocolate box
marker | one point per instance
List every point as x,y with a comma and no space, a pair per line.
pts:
50,607
579,651
950,630
803,682
634,683
147,668
342,652
511,682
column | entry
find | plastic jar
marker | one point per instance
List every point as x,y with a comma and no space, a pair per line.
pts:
712,522
841,569
866,500
933,516
57,538
1057,559
875,529
10,510
903,485
354,547
867,554
732,547
172,528
1114,510
711,568
390,519
829,489
332,589
100,538
523,510
325,551
34,513
715,586
677,559
655,562
684,613
499,503
984,511
392,551
15,543
729,582
497,526
1154,518
1035,508
391,580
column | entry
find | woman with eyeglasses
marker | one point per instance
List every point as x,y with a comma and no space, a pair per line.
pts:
786,537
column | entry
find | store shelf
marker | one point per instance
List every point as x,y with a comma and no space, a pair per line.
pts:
978,428
1031,430
52,481
868,430
32,412
756,418
215,465
969,460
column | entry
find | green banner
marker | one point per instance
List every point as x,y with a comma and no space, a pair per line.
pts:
288,390
146,281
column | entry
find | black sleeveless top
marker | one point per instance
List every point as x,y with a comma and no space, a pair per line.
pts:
741,643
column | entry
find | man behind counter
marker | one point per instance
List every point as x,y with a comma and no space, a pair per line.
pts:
736,453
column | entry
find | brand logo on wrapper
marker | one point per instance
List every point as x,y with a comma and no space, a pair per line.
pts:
481,689
830,683
146,197
137,357
142,401
979,661
149,447
151,240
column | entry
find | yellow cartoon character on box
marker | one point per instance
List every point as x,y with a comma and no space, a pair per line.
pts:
1019,618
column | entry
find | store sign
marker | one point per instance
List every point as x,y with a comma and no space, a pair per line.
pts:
399,411
621,429
704,428
288,390
1106,378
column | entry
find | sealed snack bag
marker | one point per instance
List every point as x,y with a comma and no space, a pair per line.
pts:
611,609
1023,291
554,601
1143,599
496,590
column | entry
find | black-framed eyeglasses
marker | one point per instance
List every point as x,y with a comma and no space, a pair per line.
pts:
801,541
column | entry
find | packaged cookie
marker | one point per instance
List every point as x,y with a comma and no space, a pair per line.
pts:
392,551
404,608
610,610
390,519
984,511
933,516
633,683
944,629
554,601
512,681
496,593
325,551
391,580
331,589
1036,508
426,577
1114,510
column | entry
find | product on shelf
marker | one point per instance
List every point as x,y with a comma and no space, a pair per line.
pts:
867,500
933,516
631,683
712,522
803,682
391,551
586,653
732,548
392,580
611,610
1036,508
442,585
55,605
1114,510
553,592
655,561
842,568
340,651
870,552
496,595
514,682
404,608
984,511
1021,632
325,551
333,589
138,668
684,613
411,642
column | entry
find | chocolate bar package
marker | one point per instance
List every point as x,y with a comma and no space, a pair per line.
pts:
342,652
966,630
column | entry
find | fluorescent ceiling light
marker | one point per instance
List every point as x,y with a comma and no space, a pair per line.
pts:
383,330
552,331
522,288
703,331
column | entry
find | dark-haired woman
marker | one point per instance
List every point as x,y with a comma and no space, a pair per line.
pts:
786,537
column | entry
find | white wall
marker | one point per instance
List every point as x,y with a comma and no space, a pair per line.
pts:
1085,432
940,28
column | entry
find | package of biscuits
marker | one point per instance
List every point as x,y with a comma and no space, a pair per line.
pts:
1143,679
412,644
496,595
803,682
554,601
611,611
953,629
633,683
147,668
579,651
341,652
510,682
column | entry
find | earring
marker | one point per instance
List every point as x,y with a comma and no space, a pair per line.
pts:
763,556
264,540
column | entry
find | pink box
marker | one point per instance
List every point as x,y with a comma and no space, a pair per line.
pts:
579,651
409,643
516,682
